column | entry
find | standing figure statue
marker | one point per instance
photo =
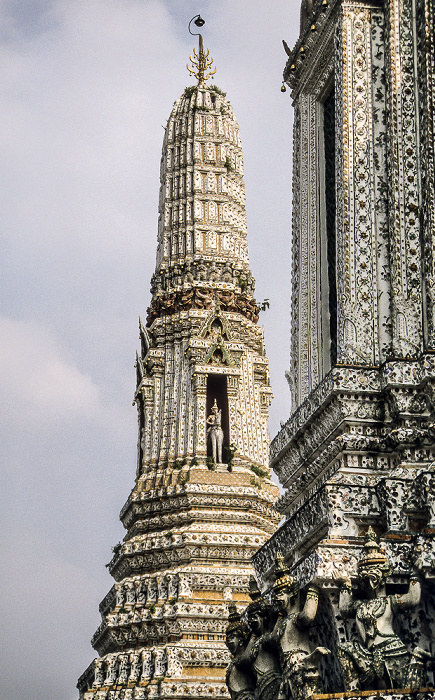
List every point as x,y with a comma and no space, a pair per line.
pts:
215,432
240,679
261,650
300,675
380,660
99,673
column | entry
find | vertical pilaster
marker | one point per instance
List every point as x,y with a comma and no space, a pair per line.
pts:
148,400
380,189
311,74
167,408
306,262
233,389
293,376
200,402
426,100
403,180
177,379
157,432
358,230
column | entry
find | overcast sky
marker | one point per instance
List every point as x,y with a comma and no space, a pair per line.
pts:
85,87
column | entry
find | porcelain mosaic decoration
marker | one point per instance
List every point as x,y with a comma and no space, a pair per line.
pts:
356,457
202,502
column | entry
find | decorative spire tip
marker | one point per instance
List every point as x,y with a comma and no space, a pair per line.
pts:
201,62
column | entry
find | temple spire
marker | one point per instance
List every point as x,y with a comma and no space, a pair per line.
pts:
201,61
202,499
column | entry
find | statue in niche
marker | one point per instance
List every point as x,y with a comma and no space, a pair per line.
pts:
130,593
112,670
300,675
135,667
141,592
217,357
120,595
124,669
380,660
99,673
260,650
215,432
240,678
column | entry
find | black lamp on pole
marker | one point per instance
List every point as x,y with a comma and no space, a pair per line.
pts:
199,22
200,61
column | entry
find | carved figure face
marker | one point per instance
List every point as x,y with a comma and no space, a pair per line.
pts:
371,580
256,622
285,599
234,641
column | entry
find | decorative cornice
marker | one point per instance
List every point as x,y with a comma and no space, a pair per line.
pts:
200,297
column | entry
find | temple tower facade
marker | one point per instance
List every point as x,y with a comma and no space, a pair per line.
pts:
202,502
359,448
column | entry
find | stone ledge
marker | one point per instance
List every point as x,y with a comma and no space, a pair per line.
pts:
420,693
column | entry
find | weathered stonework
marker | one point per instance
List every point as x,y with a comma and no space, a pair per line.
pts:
358,451
192,525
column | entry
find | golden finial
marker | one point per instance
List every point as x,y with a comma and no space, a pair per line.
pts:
201,63
283,579
373,555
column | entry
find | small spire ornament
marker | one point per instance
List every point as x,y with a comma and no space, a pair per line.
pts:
373,556
201,61
283,578
254,592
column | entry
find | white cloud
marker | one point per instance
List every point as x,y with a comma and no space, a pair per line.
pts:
85,87
37,382
41,590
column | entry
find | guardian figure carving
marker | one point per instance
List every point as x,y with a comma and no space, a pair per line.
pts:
380,659
300,676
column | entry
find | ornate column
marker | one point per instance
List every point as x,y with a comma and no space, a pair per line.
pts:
362,244
404,185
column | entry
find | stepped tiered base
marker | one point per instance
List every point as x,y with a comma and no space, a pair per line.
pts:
191,535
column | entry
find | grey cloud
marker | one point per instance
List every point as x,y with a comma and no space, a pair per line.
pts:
84,91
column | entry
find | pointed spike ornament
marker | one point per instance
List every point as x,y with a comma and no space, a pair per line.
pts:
283,578
201,62
373,556
254,591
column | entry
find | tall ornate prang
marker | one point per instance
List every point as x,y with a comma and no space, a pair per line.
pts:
359,448
202,502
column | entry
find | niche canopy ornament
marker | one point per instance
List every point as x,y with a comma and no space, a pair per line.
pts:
201,62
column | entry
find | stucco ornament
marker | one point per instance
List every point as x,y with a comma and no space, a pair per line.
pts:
163,621
426,494
380,660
